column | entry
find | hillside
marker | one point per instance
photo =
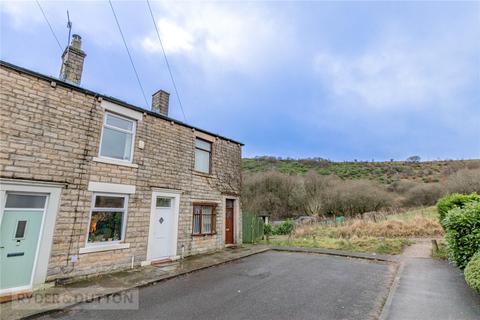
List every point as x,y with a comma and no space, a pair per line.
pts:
385,172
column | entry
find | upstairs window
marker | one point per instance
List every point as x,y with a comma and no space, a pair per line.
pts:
204,219
118,135
203,152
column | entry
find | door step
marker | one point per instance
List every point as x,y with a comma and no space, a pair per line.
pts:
16,296
162,262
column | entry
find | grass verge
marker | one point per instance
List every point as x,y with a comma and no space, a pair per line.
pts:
441,253
356,244
378,233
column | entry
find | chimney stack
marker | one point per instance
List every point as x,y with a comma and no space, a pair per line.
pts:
160,102
72,61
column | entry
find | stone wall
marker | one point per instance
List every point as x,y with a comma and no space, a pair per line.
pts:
50,132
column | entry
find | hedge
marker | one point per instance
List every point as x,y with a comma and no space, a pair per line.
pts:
455,200
472,272
463,233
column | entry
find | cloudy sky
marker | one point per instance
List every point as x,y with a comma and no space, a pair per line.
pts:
339,80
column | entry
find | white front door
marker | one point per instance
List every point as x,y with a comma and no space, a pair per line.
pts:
163,226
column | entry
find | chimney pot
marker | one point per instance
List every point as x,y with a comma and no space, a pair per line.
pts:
72,61
76,41
160,102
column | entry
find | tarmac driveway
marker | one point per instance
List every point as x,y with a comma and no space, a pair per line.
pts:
270,285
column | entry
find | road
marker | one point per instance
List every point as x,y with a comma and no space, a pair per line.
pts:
271,285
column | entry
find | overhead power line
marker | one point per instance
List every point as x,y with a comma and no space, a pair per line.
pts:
49,25
166,61
128,52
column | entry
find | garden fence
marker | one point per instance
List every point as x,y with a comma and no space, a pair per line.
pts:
252,228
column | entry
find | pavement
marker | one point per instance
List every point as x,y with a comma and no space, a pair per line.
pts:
270,285
430,289
69,295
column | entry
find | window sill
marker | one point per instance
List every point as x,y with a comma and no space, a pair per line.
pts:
203,174
204,234
104,247
115,162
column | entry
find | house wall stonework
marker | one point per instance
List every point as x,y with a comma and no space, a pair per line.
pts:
50,132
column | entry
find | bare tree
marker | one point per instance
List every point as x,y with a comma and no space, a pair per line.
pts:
423,194
272,192
464,181
316,187
413,159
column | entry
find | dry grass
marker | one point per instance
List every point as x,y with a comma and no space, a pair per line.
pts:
306,231
416,227
377,232
416,223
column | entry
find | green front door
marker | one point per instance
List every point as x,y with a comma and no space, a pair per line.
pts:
19,236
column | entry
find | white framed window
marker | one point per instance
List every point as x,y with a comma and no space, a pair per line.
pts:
108,218
203,152
118,136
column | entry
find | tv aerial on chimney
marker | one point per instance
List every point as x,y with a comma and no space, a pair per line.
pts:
69,26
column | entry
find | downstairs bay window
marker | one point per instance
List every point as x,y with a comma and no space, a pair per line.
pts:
204,219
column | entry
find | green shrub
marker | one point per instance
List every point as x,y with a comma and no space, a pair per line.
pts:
285,228
472,272
267,230
454,200
463,233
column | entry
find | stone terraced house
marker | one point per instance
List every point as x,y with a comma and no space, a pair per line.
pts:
90,184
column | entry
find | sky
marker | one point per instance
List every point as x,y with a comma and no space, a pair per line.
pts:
339,80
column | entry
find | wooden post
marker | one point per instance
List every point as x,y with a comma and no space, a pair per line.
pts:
253,230
434,245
